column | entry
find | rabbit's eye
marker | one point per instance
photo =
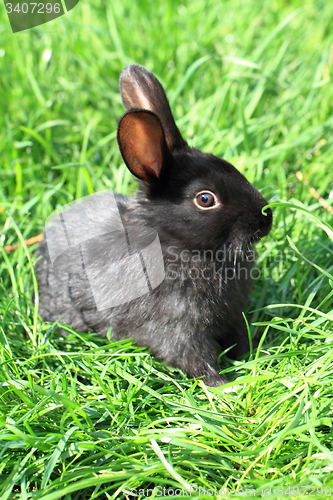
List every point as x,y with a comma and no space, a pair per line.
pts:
206,200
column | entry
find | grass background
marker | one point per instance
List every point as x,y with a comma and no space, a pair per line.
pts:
84,417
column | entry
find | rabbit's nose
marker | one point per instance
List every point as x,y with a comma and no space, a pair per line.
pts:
265,222
268,215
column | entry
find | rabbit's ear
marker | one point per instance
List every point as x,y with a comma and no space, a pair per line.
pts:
143,146
141,90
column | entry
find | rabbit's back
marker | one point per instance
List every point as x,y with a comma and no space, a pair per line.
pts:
65,293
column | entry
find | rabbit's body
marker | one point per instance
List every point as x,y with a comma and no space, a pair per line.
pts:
196,311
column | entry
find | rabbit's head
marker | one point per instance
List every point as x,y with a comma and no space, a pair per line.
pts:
197,199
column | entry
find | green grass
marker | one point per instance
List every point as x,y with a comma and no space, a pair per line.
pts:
83,417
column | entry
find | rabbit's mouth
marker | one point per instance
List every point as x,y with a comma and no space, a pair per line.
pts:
256,236
259,234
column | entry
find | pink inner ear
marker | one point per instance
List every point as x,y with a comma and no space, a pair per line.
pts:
141,140
147,146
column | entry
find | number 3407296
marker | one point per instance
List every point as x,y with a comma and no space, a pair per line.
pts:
29,8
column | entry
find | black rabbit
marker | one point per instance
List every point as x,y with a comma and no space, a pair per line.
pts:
207,217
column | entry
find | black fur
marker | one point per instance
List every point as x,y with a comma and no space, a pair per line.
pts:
196,312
